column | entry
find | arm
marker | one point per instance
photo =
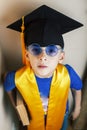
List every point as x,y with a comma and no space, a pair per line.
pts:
12,98
77,108
76,86
10,94
16,101
9,86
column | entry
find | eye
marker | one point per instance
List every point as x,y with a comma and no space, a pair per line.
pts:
52,50
35,49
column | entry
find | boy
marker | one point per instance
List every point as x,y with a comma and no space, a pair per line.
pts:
44,82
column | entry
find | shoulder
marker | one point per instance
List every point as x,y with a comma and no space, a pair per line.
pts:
9,78
21,71
71,71
9,82
76,82
69,68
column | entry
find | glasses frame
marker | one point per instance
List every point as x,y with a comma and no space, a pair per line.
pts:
48,49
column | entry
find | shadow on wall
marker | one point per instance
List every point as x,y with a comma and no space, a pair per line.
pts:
81,122
8,118
10,112
84,77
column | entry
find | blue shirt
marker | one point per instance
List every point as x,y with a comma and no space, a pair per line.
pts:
44,84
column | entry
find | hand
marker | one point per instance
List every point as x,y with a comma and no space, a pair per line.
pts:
75,113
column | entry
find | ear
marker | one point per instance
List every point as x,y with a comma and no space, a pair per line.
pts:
27,55
62,56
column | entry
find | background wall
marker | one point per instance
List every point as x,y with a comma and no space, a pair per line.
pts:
10,47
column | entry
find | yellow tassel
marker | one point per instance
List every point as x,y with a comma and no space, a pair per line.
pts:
23,44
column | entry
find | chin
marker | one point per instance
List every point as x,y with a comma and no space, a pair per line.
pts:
44,75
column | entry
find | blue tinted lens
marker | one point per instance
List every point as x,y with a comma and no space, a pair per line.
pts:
51,50
35,49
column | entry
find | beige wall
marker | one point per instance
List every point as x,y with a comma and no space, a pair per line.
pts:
75,41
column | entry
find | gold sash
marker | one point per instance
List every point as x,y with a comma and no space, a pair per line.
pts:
26,84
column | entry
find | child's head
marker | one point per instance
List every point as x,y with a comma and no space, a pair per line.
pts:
43,32
44,60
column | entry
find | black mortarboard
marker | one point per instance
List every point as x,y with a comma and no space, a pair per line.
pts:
45,26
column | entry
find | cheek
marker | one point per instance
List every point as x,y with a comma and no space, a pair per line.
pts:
54,62
32,60
30,57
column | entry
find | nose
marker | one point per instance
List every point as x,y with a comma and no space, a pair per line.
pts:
43,56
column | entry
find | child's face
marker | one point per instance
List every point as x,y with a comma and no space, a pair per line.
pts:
44,65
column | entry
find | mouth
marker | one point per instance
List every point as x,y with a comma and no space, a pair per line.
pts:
42,66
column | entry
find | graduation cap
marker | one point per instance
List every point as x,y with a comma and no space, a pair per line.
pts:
45,26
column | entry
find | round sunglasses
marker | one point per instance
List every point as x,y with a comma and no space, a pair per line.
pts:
51,50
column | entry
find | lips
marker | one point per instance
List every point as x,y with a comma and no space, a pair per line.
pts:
42,66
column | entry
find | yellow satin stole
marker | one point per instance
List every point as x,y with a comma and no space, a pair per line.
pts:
26,84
